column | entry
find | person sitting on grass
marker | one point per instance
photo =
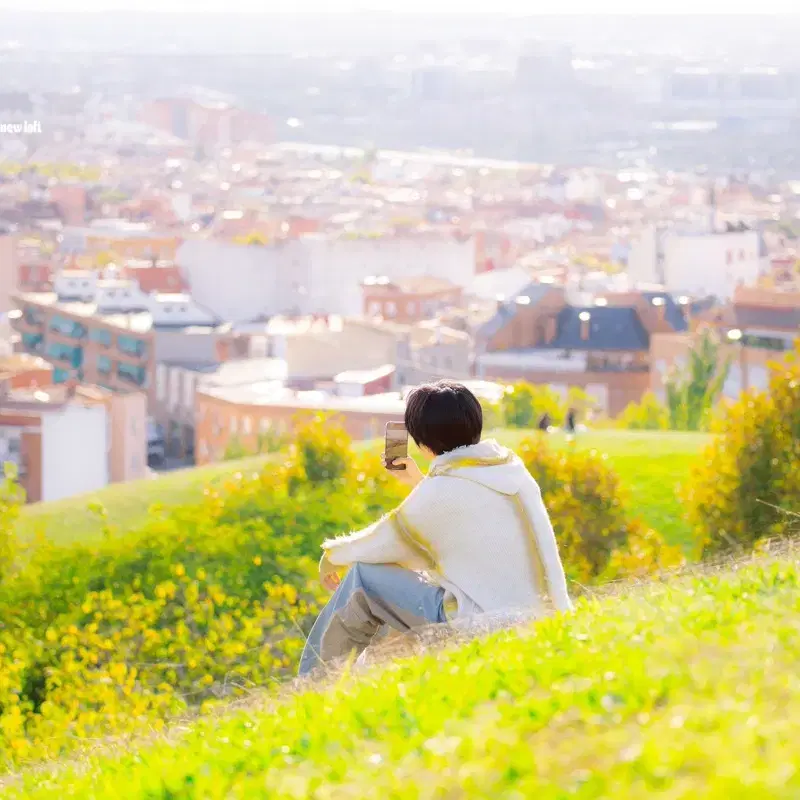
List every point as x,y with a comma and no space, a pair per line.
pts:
473,536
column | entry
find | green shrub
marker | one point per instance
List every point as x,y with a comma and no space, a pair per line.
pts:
11,497
647,415
746,486
524,404
588,508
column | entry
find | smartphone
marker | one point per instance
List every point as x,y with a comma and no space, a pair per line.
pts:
396,445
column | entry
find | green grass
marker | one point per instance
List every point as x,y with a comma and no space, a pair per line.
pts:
685,688
127,504
651,465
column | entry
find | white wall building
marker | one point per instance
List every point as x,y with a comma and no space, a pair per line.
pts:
71,430
313,274
697,264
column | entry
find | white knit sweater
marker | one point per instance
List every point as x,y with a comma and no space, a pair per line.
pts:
478,526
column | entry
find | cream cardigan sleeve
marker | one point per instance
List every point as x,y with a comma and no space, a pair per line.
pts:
390,540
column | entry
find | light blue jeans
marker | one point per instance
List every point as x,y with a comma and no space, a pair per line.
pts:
370,597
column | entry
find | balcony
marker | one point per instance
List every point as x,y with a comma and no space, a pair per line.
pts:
131,374
67,327
64,353
32,343
132,346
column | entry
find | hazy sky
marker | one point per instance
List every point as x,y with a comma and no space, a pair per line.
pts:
412,6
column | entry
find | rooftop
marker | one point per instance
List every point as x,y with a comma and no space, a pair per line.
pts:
137,321
608,328
267,393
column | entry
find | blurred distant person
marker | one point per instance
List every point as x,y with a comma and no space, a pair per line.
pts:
544,422
473,536
570,425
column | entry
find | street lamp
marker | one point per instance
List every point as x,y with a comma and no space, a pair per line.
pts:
736,336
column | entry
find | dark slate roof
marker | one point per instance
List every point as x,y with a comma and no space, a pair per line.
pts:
672,310
610,328
507,311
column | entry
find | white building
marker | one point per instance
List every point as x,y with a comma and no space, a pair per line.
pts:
61,449
313,274
698,264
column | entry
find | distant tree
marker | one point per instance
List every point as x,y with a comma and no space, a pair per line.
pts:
693,391
523,404
647,415
517,405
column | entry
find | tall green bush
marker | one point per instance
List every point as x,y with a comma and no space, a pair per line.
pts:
693,391
746,486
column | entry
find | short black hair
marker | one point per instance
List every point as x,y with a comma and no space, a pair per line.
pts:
443,416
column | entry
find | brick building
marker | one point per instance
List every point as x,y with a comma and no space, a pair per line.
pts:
604,349
240,414
409,299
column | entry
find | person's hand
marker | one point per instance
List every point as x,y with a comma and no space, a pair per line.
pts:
331,581
328,576
411,475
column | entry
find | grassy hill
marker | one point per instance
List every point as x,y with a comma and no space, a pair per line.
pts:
650,465
682,688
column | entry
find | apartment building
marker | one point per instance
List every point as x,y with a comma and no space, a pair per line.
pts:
698,262
103,331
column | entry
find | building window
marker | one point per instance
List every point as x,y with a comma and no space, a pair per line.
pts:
411,309
131,345
103,365
67,327
247,425
32,315
264,424
391,309
234,423
132,374
32,342
101,336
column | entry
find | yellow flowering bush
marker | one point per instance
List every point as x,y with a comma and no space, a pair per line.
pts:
202,603
597,536
746,487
